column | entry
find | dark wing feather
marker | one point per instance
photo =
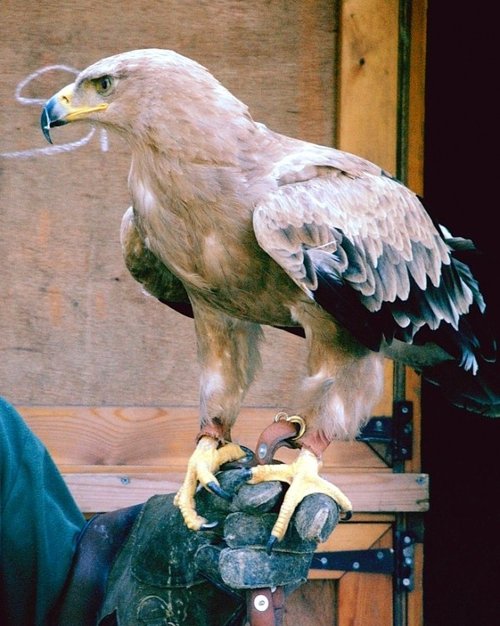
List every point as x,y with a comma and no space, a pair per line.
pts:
149,271
365,249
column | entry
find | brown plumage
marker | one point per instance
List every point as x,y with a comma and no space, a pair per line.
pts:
241,226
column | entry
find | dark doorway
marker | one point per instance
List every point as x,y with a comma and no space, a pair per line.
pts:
460,450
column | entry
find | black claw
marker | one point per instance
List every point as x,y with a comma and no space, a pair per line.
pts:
209,525
346,516
271,543
249,455
244,475
217,489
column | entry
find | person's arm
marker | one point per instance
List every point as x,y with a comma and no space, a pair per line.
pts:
39,524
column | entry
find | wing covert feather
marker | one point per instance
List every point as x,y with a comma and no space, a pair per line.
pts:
369,233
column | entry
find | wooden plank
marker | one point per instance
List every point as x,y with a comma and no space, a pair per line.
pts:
413,389
416,113
74,326
370,492
156,435
355,536
377,491
316,23
365,599
312,604
368,89
415,599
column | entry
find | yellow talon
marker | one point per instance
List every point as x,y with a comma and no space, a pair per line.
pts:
204,462
302,476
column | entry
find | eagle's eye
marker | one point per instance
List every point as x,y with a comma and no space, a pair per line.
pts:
103,85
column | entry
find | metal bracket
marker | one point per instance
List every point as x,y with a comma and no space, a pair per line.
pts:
372,561
403,431
405,560
391,437
398,561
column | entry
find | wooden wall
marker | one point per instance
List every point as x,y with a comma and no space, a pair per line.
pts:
74,327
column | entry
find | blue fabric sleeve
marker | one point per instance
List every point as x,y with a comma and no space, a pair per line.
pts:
39,524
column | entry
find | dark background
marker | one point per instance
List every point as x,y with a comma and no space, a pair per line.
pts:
460,450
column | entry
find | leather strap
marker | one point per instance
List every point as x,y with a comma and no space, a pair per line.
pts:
214,429
266,607
290,432
278,434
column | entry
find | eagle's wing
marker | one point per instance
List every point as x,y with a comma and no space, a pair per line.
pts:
362,245
148,270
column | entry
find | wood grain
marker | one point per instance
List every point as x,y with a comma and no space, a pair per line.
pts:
99,489
313,603
74,326
157,436
416,113
368,80
366,599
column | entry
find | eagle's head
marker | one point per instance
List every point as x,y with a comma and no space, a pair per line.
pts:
149,96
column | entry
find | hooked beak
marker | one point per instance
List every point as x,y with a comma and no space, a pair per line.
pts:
59,110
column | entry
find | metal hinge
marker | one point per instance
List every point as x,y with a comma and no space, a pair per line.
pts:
405,560
372,561
398,561
391,437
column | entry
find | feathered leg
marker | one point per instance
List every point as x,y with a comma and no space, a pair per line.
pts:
344,382
228,352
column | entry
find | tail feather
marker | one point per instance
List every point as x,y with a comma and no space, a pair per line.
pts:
479,393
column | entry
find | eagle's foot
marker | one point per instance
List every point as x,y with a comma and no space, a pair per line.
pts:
202,465
303,478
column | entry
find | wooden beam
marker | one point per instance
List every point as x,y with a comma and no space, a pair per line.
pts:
107,489
367,93
161,436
